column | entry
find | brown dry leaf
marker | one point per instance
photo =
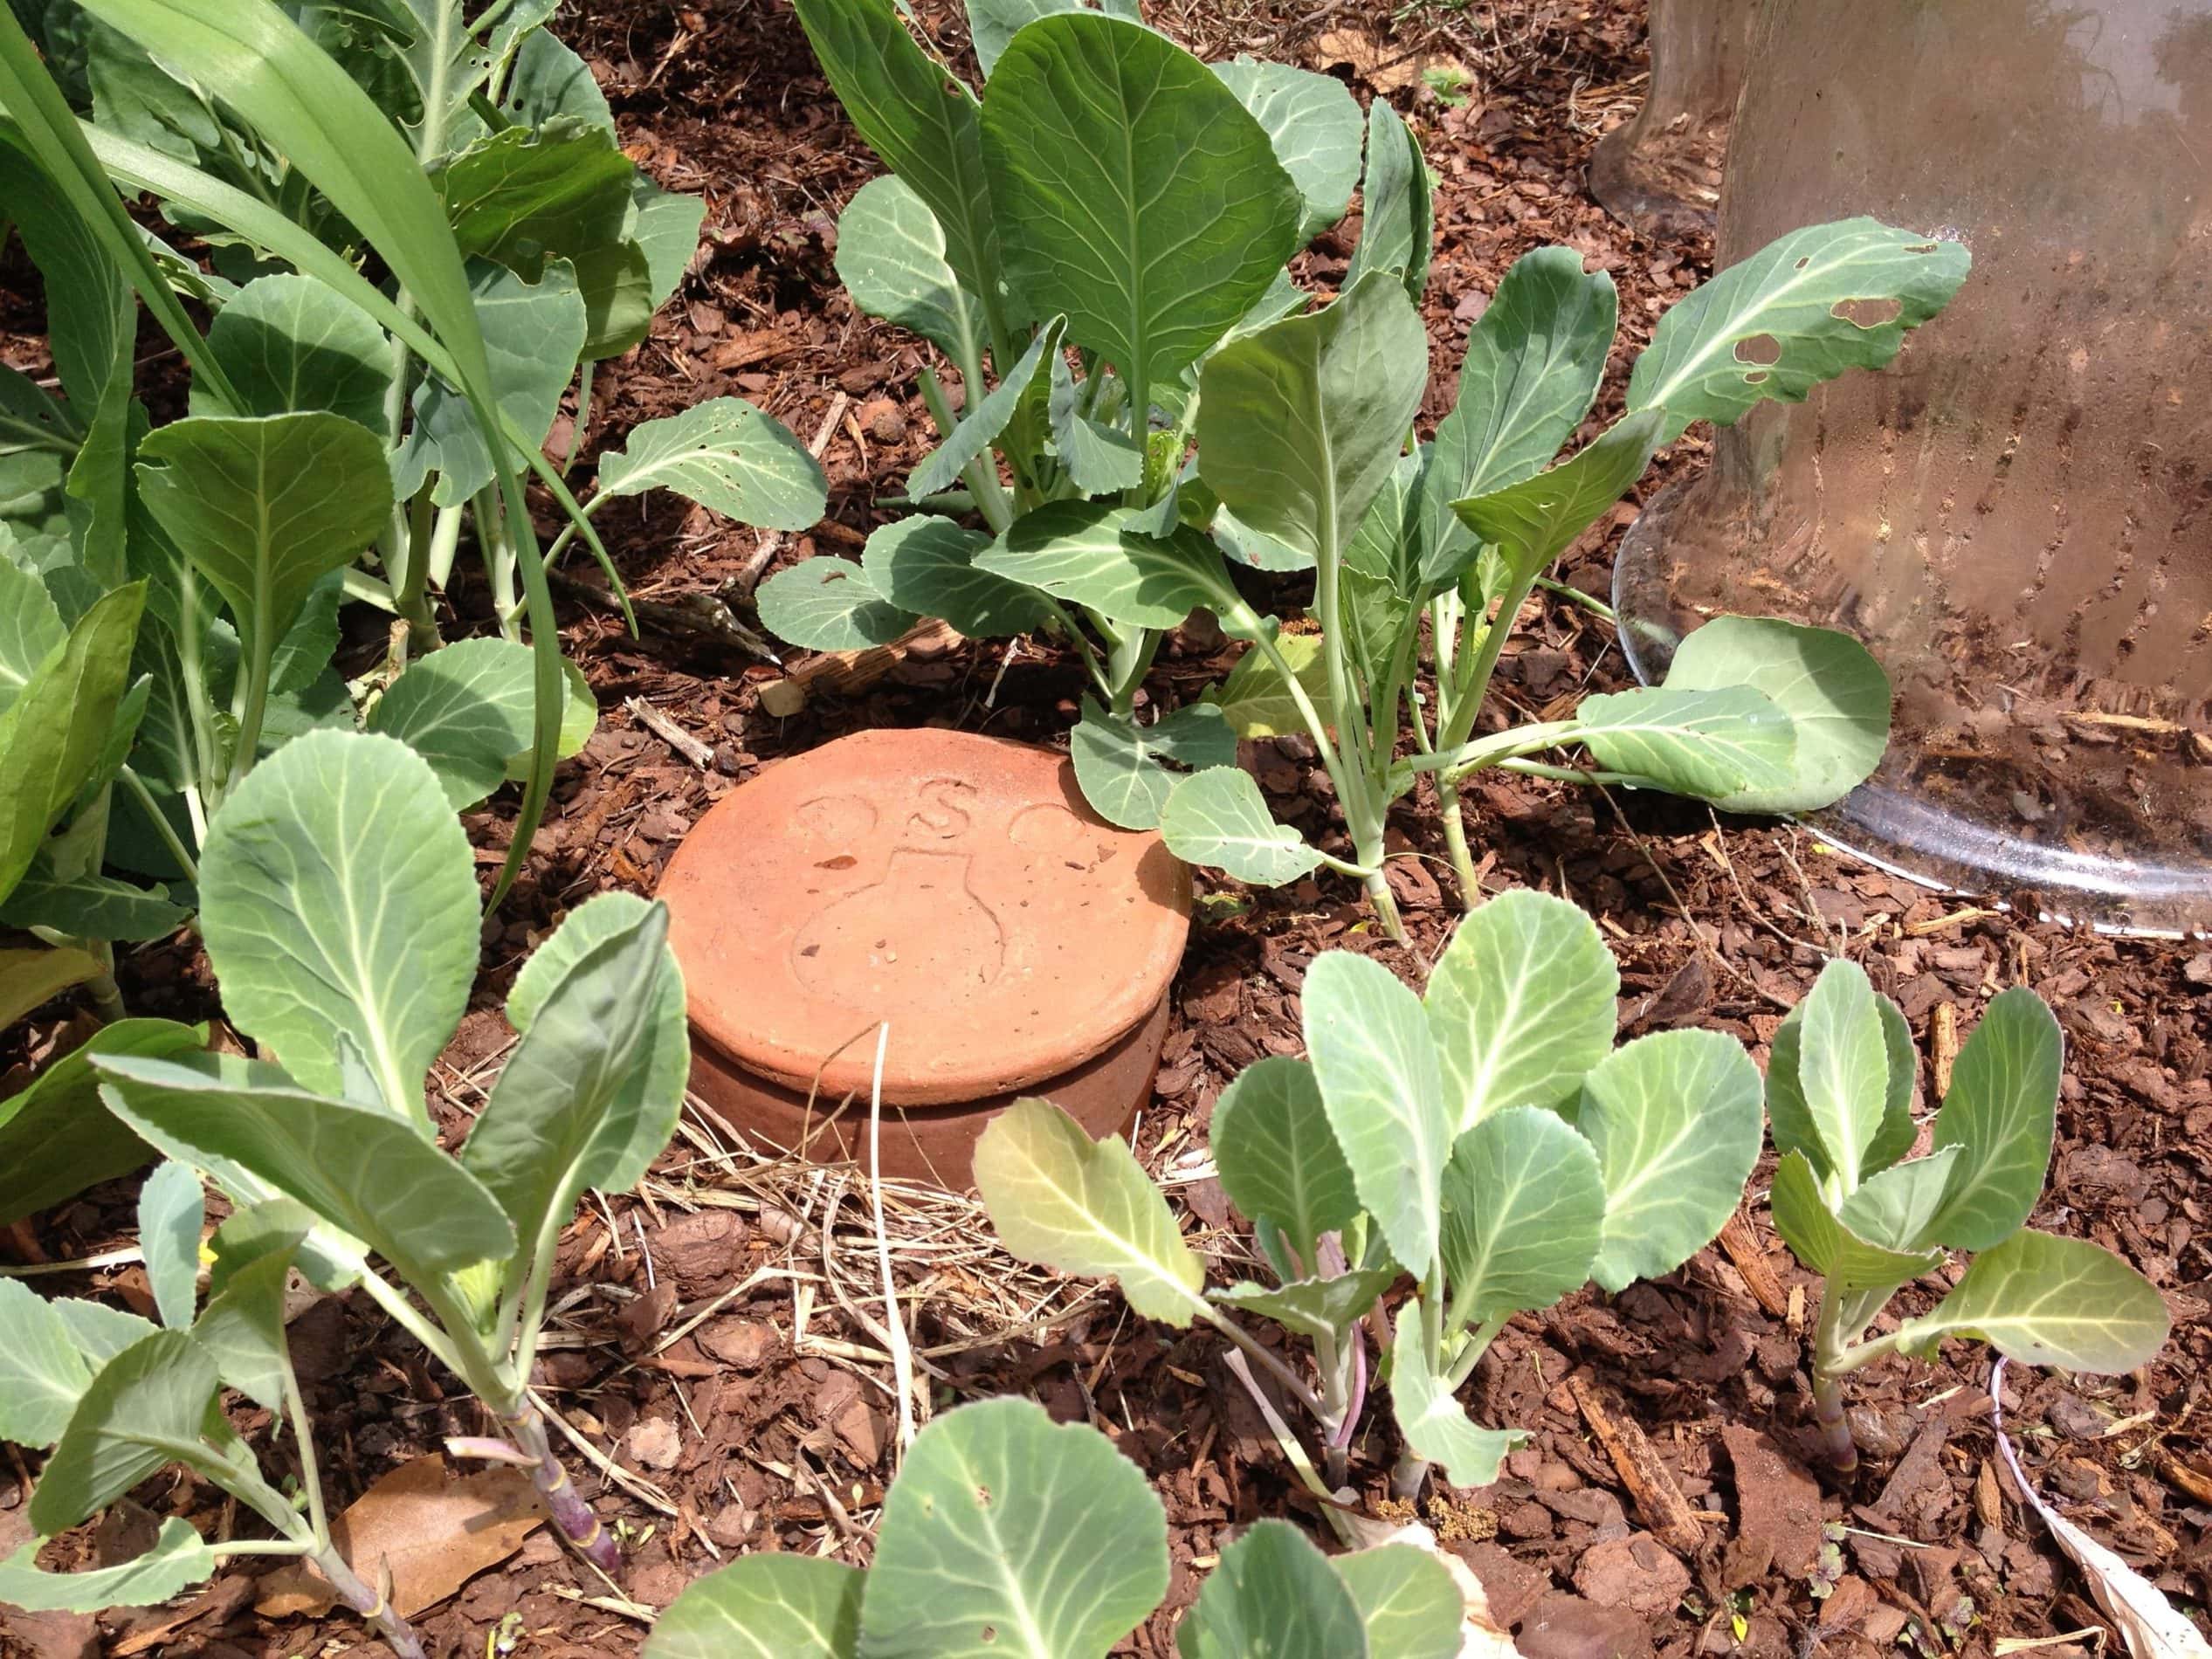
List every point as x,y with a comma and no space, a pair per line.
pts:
432,1532
1384,63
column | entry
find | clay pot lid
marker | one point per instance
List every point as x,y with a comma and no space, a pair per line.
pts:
953,885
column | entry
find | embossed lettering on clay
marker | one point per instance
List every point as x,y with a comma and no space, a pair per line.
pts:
953,885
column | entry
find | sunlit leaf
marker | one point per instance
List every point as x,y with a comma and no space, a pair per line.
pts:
2001,1112
1524,1212
727,457
178,1558
2050,1301
1315,126
1089,554
1398,223
1432,1421
781,1605
1822,1241
1277,1157
1123,767
1708,744
891,257
1407,1600
1219,817
1273,1592
1062,1200
825,603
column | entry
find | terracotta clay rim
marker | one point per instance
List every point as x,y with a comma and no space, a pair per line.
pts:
1090,920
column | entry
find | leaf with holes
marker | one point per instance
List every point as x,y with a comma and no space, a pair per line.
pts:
1803,309
830,605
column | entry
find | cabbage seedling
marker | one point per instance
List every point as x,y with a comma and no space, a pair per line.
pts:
1008,1535
1487,1138
339,905
1303,434
1839,1093
118,1398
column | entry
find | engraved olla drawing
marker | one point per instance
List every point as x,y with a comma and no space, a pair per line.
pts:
917,935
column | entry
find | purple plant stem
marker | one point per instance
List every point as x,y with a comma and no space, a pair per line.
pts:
398,1634
1835,1429
570,1513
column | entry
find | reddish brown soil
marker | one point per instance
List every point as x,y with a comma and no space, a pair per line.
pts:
1716,923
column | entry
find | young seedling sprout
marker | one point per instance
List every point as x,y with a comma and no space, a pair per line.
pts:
1839,1094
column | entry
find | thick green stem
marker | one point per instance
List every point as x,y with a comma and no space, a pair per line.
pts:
1455,841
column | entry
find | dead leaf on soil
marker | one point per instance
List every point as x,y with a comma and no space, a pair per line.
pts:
431,1531
2148,1623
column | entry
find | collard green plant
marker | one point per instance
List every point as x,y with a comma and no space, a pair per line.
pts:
342,434
338,906
993,240
118,1399
1839,1094
1303,434
1007,1536
1487,1138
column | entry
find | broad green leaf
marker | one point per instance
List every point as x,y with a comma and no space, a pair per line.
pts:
1272,1593
826,603
985,419
357,1167
559,190
1675,1119
467,710
1087,553
1834,694
1895,1138
1322,1310
41,1375
925,565
579,719
242,1324
1218,817
338,896
662,1069
1820,1240
1248,547
99,1331
171,1210
916,115
2050,1301
778,1606
1382,549
546,80
1535,359
564,1114
1524,1211
30,629
1407,1600
1842,1067
1431,1419
1065,1201
2001,1113
1790,1117
992,24
1122,766
265,506
290,344
1707,744
140,1413
87,906
1521,1005
1133,193
54,732
1300,424
666,226
1098,459
1894,1207
727,457
1802,310
1277,1157
891,257
56,1138
1315,126
1007,1536
1256,699
534,333
178,1558
1376,1065
1538,519
1398,222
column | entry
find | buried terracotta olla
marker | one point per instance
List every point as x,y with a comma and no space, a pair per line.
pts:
955,886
